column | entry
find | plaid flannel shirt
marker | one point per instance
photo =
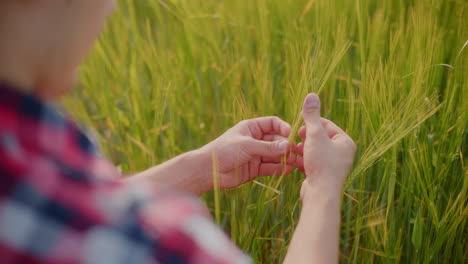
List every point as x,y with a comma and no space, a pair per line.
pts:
61,203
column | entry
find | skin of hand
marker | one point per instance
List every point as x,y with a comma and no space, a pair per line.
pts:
250,149
327,154
327,157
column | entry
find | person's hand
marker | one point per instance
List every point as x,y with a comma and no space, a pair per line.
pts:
328,151
250,149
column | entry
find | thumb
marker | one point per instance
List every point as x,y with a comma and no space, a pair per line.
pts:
266,148
311,115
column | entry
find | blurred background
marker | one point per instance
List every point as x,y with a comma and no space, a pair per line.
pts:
169,76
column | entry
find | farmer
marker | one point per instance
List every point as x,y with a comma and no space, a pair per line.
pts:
60,202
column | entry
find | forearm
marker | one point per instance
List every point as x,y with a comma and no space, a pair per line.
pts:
183,173
316,238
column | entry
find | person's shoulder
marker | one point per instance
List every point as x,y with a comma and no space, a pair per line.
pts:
38,140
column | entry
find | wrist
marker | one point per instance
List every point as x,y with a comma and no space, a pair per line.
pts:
199,169
184,173
318,200
319,189
328,179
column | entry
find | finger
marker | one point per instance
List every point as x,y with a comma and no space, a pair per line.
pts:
277,159
274,169
345,142
299,149
271,125
302,132
300,163
331,128
262,148
273,137
311,115
290,159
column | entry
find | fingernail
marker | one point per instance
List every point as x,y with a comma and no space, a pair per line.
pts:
312,101
282,146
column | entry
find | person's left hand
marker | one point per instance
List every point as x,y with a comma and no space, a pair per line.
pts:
250,149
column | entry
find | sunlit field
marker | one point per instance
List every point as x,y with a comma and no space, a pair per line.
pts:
168,76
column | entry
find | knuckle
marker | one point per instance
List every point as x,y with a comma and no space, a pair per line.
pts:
277,119
243,122
309,111
351,145
272,146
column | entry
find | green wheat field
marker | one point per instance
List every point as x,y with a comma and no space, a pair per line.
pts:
168,76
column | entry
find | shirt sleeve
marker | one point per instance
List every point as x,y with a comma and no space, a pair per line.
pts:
48,217
61,203
179,229
181,224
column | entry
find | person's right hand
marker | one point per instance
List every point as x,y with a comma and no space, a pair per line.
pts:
328,152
